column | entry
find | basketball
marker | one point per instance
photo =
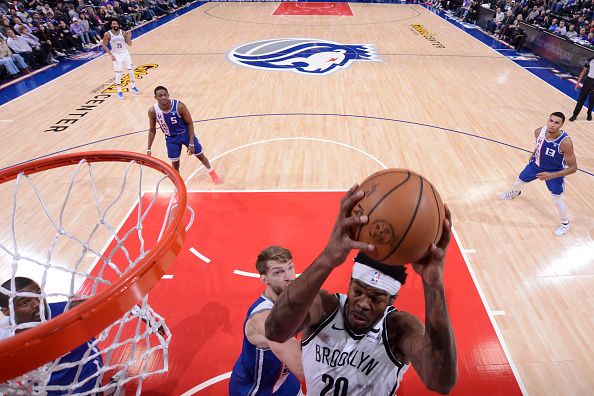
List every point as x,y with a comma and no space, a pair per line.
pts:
405,214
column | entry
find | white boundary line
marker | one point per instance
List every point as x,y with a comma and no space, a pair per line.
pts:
282,190
206,384
93,60
503,56
284,139
491,315
199,255
264,190
245,273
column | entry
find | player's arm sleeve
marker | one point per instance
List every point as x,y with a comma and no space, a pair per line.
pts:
431,350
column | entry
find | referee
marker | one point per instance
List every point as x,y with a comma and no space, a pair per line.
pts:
587,75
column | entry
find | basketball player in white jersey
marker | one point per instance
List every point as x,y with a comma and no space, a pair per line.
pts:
358,344
119,41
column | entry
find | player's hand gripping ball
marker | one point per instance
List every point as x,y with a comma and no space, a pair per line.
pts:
405,216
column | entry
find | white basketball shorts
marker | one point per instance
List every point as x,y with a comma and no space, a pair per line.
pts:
122,59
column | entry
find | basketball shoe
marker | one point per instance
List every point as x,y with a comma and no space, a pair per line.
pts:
135,91
562,229
120,95
215,177
509,195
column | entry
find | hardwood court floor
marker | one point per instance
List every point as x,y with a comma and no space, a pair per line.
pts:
283,130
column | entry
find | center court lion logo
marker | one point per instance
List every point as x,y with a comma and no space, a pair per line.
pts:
301,55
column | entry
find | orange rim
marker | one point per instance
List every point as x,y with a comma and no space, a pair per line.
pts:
52,339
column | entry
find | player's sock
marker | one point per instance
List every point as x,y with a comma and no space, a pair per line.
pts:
518,185
132,78
561,207
118,80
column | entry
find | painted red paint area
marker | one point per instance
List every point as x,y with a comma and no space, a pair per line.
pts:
297,8
205,303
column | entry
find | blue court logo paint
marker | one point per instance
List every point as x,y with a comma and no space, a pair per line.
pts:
301,55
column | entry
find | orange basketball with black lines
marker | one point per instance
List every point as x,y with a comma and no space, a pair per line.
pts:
405,214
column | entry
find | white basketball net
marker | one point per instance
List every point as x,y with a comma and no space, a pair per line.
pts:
71,262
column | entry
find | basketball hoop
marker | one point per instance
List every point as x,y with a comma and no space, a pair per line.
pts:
106,301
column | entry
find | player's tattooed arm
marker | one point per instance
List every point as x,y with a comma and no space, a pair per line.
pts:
302,303
430,348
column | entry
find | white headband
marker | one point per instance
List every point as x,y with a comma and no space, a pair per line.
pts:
374,278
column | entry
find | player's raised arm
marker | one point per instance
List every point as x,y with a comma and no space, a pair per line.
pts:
106,38
302,303
431,348
152,130
128,37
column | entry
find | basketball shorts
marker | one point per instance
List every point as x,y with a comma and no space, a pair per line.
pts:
122,60
175,143
556,186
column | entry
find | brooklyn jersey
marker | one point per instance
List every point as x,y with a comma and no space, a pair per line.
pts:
171,122
336,361
117,42
257,370
548,155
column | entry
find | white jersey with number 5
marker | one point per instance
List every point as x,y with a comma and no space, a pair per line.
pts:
336,361
117,42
